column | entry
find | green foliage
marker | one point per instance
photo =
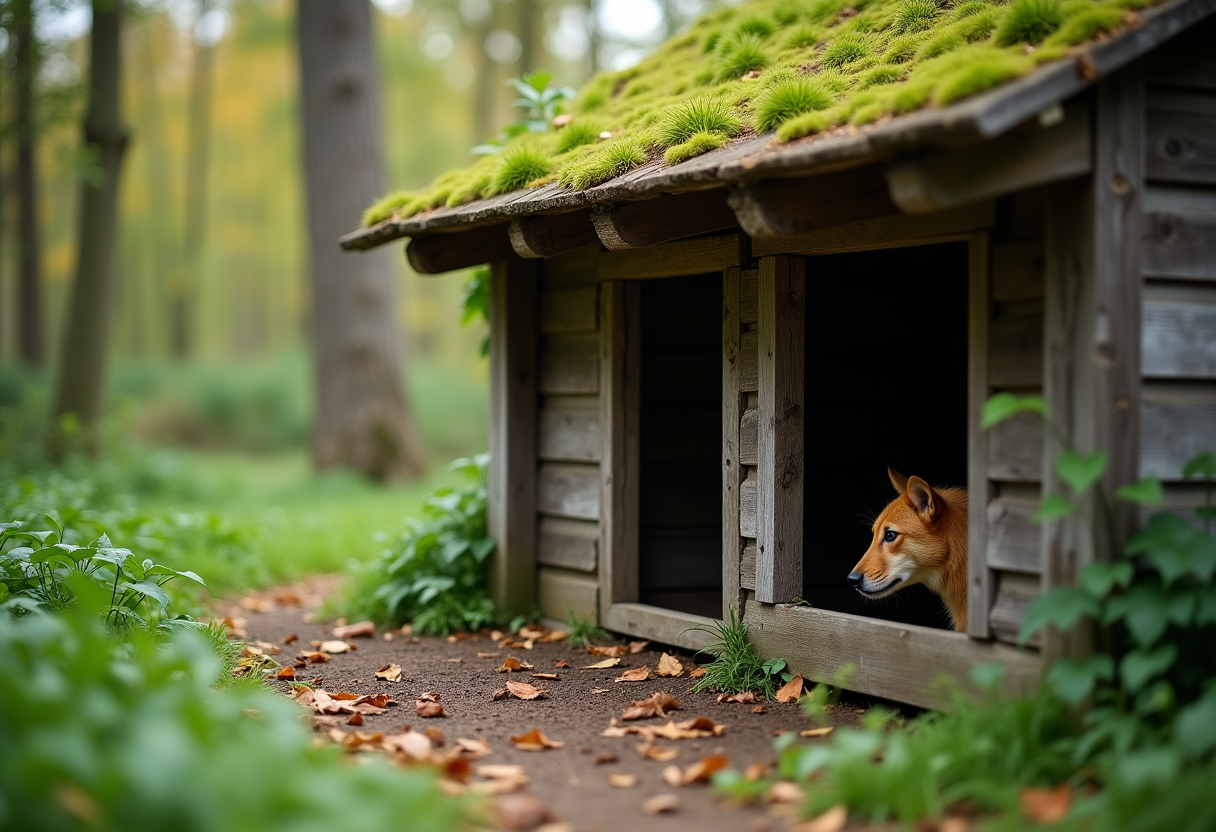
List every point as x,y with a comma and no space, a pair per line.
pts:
602,164
580,631
915,16
879,75
844,50
699,115
133,737
787,98
736,667
434,573
521,163
696,144
802,37
581,131
540,103
740,55
1030,21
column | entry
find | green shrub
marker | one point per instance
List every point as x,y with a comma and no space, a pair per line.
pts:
133,738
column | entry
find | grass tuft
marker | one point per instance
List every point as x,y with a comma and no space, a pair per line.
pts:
383,208
787,98
915,16
802,37
741,55
605,163
698,143
581,131
1029,21
736,668
754,25
700,115
878,76
1087,24
969,9
580,631
844,50
978,69
520,164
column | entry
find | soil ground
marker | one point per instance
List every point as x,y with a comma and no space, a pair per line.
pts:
572,782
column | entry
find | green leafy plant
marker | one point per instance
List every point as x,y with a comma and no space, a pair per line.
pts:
37,570
580,631
475,303
540,103
736,667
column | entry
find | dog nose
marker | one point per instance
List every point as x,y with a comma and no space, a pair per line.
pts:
855,578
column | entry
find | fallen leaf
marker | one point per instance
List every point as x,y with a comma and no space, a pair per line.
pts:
696,672
701,771
522,690
609,650
672,776
688,730
783,791
659,753
669,666
638,646
812,733
389,673
486,656
520,812
511,664
472,749
389,636
456,660
604,665
755,771
554,635
759,709
315,656
435,735
427,709
334,647
747,697
660,804
500,694
622,781
355,719
601,759
551,677
257,604
637,674
503,779
286,673
533,632
291,639
361,629
791,690
658,704
599,690
534,740
268,648
833,820
561,663
1046,805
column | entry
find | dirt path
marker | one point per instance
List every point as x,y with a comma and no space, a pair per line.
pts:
572,782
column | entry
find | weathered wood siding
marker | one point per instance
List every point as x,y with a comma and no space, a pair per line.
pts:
747,432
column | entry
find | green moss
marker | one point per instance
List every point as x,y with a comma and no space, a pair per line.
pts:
972,7
741,55
915,16
845,50
697,144
805,125
518,165
1029,21
1088,24
787,98
940,44
878,76
700,115
802,37
580,131
976,69
385,206
902,49
754,25
605,163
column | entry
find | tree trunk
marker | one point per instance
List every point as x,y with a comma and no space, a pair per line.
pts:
82,364
362,420
527,35
29,282
483,80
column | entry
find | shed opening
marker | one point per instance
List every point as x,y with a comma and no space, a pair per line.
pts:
885,385
680,528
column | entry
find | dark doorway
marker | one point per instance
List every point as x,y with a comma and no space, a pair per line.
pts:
886,385
680,535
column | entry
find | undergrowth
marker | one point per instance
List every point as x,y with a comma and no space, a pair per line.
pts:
875,59
736,667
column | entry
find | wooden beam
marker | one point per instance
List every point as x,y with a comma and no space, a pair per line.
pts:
439,253
512,485
703,255
1013,162
979,482
782,295
660,220
786,207
692,632
547,236
732,469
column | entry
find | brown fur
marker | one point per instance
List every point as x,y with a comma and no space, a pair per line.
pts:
930,545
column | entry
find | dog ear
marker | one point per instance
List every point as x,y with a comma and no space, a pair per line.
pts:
922,498
898,480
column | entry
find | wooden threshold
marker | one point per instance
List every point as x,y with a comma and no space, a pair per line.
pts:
895,661
682,629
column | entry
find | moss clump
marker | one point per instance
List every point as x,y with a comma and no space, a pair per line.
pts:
754,25
520,164
787,98
580,131
697,144
802,37
915,16
845,50
1088,24
1029,21
700,115
740,55
974,70
386,206
878,76
605,163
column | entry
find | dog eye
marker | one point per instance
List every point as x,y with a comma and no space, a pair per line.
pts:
890,536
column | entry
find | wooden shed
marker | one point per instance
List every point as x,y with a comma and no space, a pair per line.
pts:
700,373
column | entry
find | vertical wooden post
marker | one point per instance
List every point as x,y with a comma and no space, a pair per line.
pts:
732,471
979,487
513,404
782,358
620,357
1092,330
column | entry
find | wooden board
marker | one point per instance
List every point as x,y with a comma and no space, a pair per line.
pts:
749,356
732,466
569,435
1015,449
659,220
1014,539
1017,270
548,236
1173,431
782,356
570,364
565,489
748,507
1181,147
664,626
1013,597
1015,357
571,544
747,567
894,661
979,478
1178,339
512,481
569,310
749,437
1179,232
560,592
789,207
439,253
749,311
700,256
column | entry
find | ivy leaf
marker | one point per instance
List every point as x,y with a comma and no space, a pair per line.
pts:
1074,679
1195,727
1139,666
1053,508
1004,406
1061,608
148,590
1174,548
1080,471
1145,611
1146,492
1097,578
1202,465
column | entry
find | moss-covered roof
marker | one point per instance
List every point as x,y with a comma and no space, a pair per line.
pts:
792,67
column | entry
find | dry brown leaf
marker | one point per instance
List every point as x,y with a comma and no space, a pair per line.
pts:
291,638
622,781
389,636
520,812
472,749
638,646
696,672
315,656
746,698
1046,805
428,709
657,704
457,660
609,650
435,735
759,709
599,690
812,733
257,604
389,673
500,694
481,655
660,753
334,647
791,690
364,629
669,666
534,740
637,674
268,648
503,779
560,663
511,664
601,759
833,820
533,632
755,771
701,771
355,719
550,677
672,776
412,744
286,673
660,804
522,690
604,665
783,791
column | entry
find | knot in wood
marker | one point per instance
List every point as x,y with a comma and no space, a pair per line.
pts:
1119,185
1172,147
1122,403
1166,231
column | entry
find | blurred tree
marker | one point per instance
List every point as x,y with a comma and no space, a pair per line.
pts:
29,287
82,363
362,418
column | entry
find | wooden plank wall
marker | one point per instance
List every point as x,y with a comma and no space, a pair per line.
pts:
748,430
568,439
1178,258
1015,449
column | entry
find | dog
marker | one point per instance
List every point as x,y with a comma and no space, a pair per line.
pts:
920,538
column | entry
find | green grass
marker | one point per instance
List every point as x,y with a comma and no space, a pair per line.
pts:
697,144
579,132
1029,21
736,667
741,55
787,98
580,631
699,115
520,164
